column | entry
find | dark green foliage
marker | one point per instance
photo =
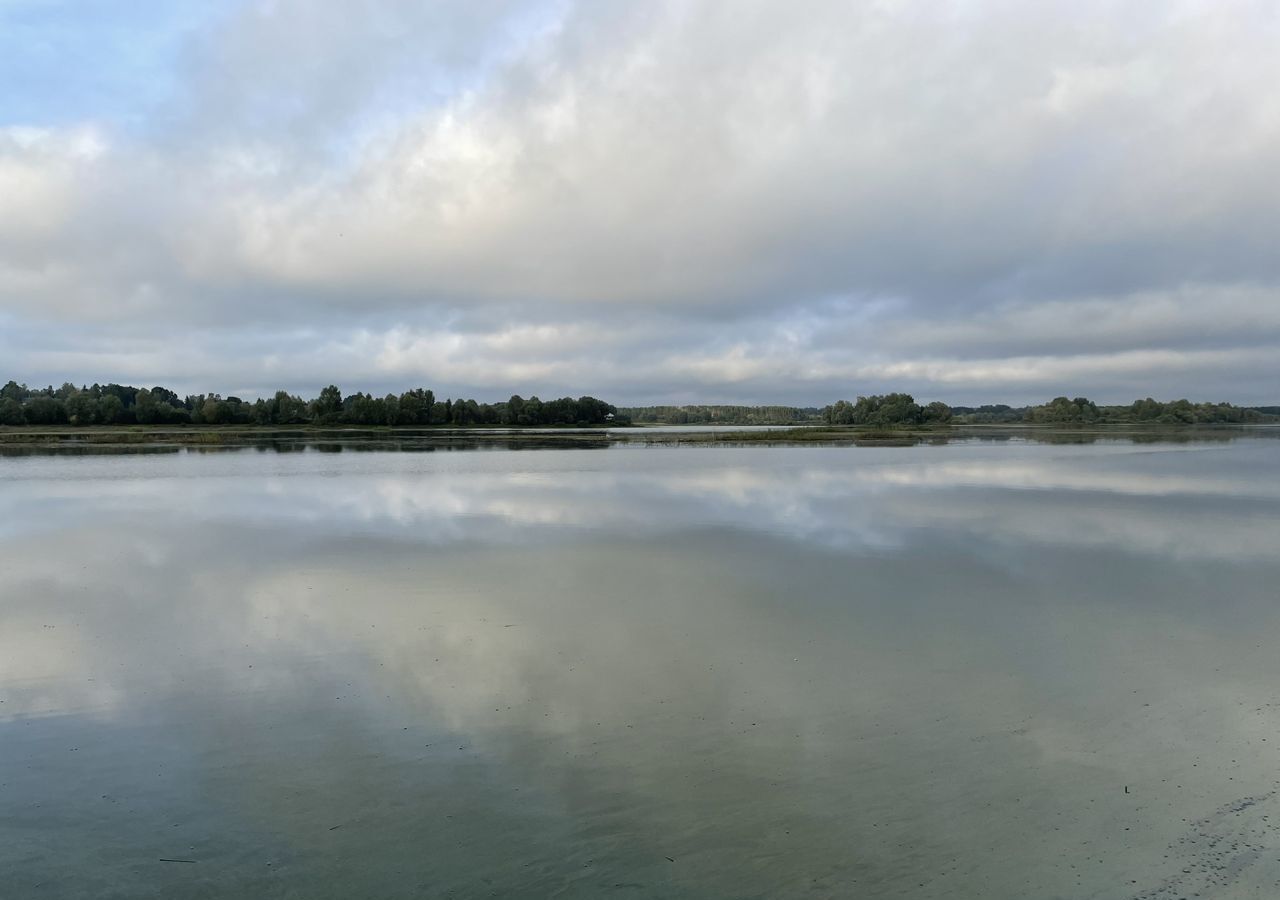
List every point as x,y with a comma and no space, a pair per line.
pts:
119,405
1183,411
45,410
936,413
721,415
886,409
115,404
328,407
991,414
1082,411
1060,410
11,412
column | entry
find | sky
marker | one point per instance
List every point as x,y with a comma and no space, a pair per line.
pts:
658,202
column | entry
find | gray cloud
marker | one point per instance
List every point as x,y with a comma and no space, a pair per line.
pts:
675,201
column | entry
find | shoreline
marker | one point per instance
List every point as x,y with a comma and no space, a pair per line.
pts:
399,437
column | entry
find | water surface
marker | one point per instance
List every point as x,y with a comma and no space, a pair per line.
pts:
997,670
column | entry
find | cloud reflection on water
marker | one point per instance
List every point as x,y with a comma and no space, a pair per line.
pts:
774,666
863,500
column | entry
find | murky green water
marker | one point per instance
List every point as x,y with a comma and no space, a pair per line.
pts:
973,670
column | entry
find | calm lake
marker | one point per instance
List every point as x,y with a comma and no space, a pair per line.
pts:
983,669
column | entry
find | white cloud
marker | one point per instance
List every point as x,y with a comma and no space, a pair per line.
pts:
1001,197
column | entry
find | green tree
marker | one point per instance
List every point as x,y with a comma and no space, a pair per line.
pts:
215,411
46,410
391,409
145,407
936,413
839,413
11,412
327,408
110,410
82,409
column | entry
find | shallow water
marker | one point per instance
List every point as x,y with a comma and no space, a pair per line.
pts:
996,670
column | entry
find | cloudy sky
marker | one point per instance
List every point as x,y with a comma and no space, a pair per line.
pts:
727,201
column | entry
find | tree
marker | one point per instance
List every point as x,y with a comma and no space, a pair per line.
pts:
110,410
215,411
391,409
286,409
594,412
897,409
532,412
513,410
1063,409
145,407
166,396
45,410
11,412
81,409
936,413
327,408
839,413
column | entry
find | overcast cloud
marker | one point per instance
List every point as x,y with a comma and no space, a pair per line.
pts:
650,202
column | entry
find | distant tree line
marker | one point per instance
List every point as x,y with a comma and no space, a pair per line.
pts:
886,409
990,414
899,409
1081,410
722,415
115,404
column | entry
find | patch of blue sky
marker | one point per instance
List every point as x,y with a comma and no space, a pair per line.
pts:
113,61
